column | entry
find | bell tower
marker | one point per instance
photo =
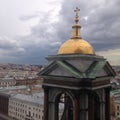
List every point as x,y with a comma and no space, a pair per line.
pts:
76,82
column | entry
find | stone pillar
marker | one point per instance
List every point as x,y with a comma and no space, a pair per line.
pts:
102,110
107,104
102,105
46,107
76,111
52,114
84,106
91,107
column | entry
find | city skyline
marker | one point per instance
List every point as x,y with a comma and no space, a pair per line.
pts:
31,30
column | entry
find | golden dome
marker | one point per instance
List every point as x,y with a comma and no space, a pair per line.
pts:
76,45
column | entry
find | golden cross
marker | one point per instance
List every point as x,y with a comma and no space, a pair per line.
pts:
77,10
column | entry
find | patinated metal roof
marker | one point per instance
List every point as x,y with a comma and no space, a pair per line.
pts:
91,73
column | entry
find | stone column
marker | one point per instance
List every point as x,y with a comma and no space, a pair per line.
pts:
46,107
102,104
53,112
102,110
91,107
76,111
84,106
107,104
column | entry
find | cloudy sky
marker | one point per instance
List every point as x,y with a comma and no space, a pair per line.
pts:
30,30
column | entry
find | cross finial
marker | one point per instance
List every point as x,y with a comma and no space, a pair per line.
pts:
77,10
76,18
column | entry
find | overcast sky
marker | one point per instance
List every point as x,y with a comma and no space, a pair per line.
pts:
30,30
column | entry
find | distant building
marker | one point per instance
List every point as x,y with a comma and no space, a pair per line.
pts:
22,102
117,108
115,104
26,107
6,82
26,81
4,101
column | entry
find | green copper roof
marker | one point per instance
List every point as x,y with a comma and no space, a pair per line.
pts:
95,68
91,73
71,69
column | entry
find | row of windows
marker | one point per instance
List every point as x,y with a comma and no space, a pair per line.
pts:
17,110
22,105
20,109
18,104
7,83
13,109
20,115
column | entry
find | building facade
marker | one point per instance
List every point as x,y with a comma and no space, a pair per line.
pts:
115,104
6,82
26,107
117,108
4,102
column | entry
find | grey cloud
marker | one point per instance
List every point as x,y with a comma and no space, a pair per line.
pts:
101,28
6,43
10,47
42,41
31,16
9,44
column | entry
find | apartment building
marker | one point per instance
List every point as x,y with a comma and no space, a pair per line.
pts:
26,106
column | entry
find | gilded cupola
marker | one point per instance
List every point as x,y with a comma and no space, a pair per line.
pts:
76,45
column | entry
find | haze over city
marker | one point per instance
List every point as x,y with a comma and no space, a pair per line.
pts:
30,30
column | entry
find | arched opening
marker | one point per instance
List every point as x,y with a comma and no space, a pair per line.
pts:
64,107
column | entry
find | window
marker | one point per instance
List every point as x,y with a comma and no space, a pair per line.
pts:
117,107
